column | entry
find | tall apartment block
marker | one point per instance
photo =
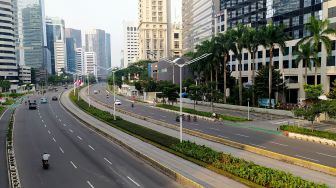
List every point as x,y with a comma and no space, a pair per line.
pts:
76,34
90,61
108,50
131,43
294,14
154,29
80,66
8,65
197,21
176,40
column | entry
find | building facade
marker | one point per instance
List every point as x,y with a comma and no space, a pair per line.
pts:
30,32
95,42
176,40
131,43
154,29
71,54
197,21
76,34
108,50
25,74
90,62
8,64
56,44
80,66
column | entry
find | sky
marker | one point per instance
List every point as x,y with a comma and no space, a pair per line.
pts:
100,14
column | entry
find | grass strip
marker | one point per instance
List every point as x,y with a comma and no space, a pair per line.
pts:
201,113
310,132
10,131
246,172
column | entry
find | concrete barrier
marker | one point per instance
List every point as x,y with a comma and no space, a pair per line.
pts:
183,180
263,152
311,138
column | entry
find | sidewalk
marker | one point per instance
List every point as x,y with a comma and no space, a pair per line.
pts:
190,170
305,173
4,121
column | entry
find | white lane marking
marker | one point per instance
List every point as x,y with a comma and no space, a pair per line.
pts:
257,145
42,121
54,139
89,184
195,123
79,138
307,158
108,161
214,129
61,149
71,130
223,136
41,117
91,148
276,143
59,120
133,181
73,164
45,125
64,125
49,132
333,156
281,122
242,135
56,116
3,114
163,116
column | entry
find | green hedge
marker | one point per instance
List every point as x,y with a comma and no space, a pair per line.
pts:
201,113
9,102
310,132
240,170
2,109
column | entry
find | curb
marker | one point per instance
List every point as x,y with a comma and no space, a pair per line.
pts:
192,115
13,175
309,138
181,179
263,152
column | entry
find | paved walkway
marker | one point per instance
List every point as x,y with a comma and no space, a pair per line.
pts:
198,174
4,120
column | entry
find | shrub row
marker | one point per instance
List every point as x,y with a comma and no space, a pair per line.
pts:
238,169
310,132
2,109
200,113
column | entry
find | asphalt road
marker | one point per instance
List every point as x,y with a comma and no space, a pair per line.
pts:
79,157
318,153
4,120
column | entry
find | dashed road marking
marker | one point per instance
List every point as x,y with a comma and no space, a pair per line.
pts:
73,164
59,120
61,149
91,148
64,125
258,145
79,138
333,156
243,135
49,132
42,121
54,139
108,161
133,181
71,130
45,125
276,143
300,156
88,182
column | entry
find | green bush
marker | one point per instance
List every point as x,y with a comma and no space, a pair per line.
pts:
9,102
310,132
237,169
200,113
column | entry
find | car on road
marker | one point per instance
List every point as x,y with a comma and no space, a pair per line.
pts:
117,102
43,100
54,98
32,105
95,91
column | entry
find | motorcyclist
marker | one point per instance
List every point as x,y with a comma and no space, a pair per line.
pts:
45,160
132,104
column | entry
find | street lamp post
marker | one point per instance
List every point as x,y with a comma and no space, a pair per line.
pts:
248,109
181,66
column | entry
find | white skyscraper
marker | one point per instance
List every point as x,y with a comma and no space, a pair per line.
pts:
90,61
80,61
131,43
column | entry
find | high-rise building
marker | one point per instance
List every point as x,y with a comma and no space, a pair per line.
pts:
8,65
76,35
154,29
108,50
30,32
95,42
176,44
90,61
56,44
122,59
71,54
25,74
131,43
197,21
80,61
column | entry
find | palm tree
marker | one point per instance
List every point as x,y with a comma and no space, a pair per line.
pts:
253,39
225,45
320,32
238,36
305,54
272,36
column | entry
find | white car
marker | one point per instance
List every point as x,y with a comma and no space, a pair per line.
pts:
117,102
95,92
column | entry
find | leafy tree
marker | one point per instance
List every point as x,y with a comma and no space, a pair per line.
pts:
262,80
187,83
272,36
150,86
138,86
305,54
320,33
313,91
332,93
311,112
5,85
195,93
171,92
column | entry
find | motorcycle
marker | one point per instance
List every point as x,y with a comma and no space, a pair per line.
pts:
45,164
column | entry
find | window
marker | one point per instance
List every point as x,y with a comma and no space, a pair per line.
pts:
245,67
259,66
286,51
296,21
295,64
233,68
292,79
276,52
176,35
267,53
276,64
332,12
318,15
333,46
233,58
222,18
260,54
306,18
296,34
285,64
331,61
306,3
245,56
286,22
